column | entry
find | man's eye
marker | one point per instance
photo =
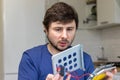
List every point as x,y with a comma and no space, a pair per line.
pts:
70,29
58,29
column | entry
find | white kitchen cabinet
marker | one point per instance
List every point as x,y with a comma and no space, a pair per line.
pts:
108,13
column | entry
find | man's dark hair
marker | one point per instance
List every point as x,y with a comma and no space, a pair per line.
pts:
60,12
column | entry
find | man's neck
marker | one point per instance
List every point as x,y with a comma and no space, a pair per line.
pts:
52,50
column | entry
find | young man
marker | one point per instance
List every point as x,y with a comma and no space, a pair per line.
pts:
60,25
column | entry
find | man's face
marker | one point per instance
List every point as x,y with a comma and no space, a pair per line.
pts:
61,35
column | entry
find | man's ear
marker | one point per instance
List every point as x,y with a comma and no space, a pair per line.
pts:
45,30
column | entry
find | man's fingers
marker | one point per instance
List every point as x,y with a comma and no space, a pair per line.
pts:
49,77
68,77
54,77
111,74
114,71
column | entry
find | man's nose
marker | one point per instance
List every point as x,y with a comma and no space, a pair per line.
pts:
64,34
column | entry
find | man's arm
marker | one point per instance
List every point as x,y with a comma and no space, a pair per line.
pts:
27,70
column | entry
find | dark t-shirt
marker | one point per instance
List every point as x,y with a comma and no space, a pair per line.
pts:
36,64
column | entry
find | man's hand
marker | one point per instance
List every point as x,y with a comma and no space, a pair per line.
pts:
111,74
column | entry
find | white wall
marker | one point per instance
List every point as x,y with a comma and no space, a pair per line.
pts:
111,43
22,29
94,40
91,41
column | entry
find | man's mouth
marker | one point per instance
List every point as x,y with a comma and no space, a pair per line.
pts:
63,44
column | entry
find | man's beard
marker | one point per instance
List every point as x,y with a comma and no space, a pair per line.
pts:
52,44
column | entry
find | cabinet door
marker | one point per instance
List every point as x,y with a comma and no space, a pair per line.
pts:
79,6
108,11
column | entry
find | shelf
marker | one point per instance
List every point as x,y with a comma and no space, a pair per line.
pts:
100,27
91,2
116,63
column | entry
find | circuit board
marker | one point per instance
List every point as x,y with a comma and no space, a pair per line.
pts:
71,59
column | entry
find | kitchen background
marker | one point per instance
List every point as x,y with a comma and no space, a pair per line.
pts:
21,28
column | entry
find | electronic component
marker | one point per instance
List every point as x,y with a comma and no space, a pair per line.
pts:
61,70
71,59
100,71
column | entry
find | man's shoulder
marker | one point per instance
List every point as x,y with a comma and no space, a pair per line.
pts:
36,50
85,54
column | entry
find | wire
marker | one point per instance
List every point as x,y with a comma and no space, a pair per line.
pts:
73,74
78,77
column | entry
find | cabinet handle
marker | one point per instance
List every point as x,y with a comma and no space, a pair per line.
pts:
104,22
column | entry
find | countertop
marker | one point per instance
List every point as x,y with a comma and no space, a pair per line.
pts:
99,63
